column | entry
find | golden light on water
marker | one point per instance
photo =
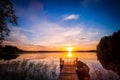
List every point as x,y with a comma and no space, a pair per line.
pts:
69,49
69,54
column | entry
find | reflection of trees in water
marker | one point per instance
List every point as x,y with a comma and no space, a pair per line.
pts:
9,52
8,56
8,49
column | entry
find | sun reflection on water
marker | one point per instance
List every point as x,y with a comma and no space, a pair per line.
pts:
69,54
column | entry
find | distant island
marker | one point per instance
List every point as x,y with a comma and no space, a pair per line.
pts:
8,49
11,52
61,51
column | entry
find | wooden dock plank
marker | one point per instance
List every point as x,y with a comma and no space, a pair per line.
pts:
68,72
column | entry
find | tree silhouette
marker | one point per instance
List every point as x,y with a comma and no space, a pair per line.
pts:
10,49
7,15
9,52
108,52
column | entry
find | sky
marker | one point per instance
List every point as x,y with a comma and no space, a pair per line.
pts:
57,24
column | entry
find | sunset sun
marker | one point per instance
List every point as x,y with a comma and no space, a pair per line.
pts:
69,48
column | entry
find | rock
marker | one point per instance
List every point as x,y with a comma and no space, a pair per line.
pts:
108,52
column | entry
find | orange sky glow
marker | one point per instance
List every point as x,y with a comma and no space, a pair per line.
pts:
54,48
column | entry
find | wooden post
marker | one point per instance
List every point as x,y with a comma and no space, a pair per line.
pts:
61,63
60,60
76,60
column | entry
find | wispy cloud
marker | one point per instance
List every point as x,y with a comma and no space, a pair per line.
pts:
16,35
44,34
71,17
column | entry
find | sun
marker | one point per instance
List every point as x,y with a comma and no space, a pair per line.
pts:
69,48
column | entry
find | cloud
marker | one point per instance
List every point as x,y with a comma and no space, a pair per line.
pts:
53,34
40,34
71,17
37,33
16,35
46,35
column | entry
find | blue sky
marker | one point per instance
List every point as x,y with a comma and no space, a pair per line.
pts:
54,24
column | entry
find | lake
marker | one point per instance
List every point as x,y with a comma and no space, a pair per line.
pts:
37,65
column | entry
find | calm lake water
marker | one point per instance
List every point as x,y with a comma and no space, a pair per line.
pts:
97,72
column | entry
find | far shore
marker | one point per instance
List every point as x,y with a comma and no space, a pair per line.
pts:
59,51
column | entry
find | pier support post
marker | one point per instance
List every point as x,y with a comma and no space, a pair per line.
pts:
76,60
61,63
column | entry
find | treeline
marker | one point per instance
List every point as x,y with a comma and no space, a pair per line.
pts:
9,52
8,49
108,52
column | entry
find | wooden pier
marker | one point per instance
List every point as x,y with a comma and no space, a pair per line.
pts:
68,69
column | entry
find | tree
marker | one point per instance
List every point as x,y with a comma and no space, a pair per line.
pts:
108,52
7,15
